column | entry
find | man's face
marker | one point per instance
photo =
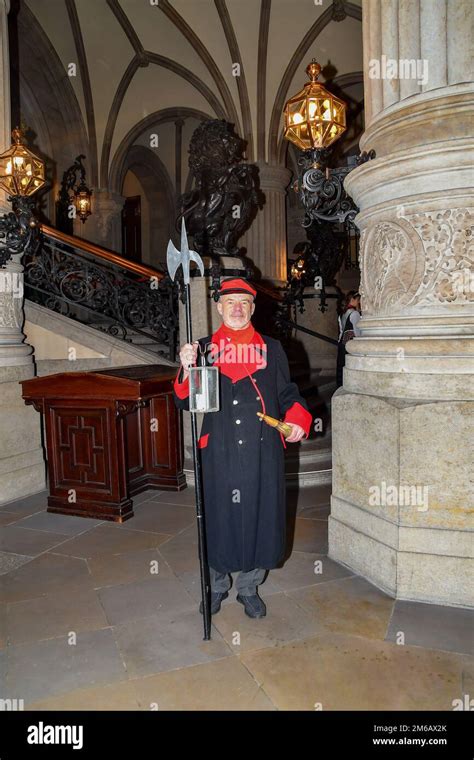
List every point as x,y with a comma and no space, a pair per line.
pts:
236,310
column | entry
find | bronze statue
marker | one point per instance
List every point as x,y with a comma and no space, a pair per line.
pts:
226,194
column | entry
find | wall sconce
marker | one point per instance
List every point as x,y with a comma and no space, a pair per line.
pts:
78,196
298,268
82,200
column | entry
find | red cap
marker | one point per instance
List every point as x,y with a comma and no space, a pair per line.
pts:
236,285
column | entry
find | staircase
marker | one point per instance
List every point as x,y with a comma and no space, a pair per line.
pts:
104,292
54,335
310,462
144,342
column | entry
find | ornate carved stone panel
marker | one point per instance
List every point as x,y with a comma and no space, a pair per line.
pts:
448,242
392,266
11,311
421,259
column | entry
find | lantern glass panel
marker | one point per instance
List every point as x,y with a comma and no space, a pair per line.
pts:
204,389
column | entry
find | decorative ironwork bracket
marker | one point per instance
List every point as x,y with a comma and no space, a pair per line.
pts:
19,231
326,205
322,190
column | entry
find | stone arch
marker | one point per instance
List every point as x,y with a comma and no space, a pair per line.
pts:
159,192
158,117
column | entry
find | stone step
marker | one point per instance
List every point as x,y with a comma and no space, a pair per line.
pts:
318,441
54,366
143,340
114,351
306,476
152,346
314,460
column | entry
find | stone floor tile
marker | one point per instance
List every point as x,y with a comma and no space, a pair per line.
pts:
47,574
166,642
339,672
54,615
43,669
350,605
433,626
107,539
153,596
285,621
220,685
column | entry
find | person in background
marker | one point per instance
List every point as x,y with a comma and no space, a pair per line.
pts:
348,329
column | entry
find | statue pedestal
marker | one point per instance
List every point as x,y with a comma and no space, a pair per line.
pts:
22,470
399,510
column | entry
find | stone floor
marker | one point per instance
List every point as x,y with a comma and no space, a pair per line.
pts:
100,616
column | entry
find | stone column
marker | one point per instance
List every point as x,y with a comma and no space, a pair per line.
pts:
403,420
266,239
104,226
13,351
22,470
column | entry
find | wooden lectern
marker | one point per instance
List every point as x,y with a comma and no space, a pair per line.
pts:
109,435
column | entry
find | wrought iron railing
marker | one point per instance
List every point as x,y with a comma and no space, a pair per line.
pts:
280,323
102,289
288,323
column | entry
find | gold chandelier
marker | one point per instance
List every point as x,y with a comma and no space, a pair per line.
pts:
314,117
21,172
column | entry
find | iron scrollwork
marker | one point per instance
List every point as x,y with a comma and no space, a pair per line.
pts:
112,299
329,214
322,190
18,229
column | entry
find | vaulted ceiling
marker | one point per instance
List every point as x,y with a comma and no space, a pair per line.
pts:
139,63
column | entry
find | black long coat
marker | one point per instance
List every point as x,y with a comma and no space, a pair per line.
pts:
243,467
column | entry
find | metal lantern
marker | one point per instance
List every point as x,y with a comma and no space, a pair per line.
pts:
314,118
203,388
21,172
298,268
82,201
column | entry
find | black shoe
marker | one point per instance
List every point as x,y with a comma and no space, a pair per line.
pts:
254,606
216,599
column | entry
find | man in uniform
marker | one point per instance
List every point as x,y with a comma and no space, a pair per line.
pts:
242,457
